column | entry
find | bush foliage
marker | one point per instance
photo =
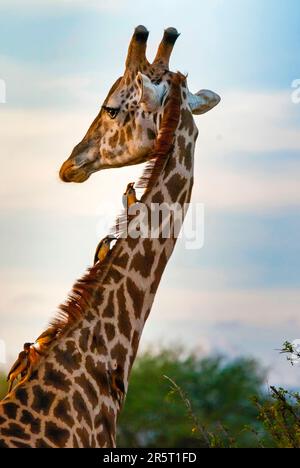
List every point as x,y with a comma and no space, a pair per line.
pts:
219,391
179,400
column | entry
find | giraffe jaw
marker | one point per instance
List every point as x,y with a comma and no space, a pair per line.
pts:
79,173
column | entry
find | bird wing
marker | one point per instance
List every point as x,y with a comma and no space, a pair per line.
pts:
34,355
96,253
46,336
132,198
120,384
17,364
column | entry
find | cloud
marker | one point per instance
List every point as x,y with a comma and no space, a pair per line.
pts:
248,123
101,5
229,189
251,121
28,301
31,87
257,307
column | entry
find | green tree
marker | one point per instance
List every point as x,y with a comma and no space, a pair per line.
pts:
3,385
219,390
281,417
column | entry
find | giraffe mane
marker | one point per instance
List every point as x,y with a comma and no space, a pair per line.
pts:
164,142
81,295
78,300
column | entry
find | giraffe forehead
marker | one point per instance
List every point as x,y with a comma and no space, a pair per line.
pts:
122,94
127,88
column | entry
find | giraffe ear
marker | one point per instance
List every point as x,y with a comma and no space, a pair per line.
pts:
151,95
203,101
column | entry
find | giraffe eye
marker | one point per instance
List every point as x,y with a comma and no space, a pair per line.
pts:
111,111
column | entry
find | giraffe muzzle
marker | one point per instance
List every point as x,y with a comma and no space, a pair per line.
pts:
69,172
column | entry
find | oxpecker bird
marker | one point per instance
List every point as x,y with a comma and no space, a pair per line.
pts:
116,383
45,339
20,366
30,356
103,249
129,197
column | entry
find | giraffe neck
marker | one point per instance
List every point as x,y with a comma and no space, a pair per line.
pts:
75,395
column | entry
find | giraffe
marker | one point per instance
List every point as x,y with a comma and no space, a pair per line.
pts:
76,392
124,131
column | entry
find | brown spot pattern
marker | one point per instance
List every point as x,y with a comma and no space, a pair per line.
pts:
41,443
70,358
56,378
22,395
187,121
14,430
159,271
108,424
123,316
81,409
98,344
121,260
109,310
175,185
120,354
34,423
110,331
143,263
137,297
88,389
10,409
84,338
56,435
84,437
98,373
62,412
115,275
158,198
42,400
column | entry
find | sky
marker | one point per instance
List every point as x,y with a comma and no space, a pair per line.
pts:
239,294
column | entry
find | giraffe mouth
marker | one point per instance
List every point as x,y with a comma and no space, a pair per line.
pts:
69,172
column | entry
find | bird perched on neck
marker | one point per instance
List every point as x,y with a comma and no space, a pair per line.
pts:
103,249
43,342
29,357
20,367
116,383
129,196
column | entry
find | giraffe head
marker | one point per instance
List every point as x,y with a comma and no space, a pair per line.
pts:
124,131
